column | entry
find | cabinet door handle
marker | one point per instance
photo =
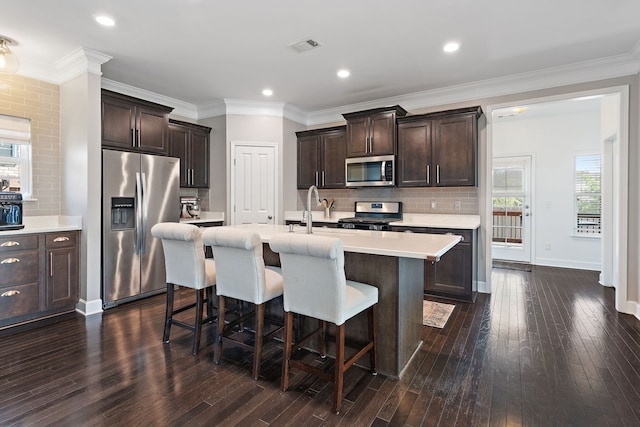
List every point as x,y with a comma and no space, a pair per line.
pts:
371,144
133,137
323,178
61,239
10,261
10,243
10,293
428,174
316,178
437,174
50,264
137,137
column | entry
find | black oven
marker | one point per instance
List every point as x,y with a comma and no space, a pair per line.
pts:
10,211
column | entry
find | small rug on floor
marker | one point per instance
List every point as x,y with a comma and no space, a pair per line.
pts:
511,265
436,314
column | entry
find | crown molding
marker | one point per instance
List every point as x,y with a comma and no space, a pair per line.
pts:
212,109
606,68
243,107
80,61
181,108
87,60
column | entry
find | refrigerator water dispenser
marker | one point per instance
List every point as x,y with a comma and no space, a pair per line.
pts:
123,212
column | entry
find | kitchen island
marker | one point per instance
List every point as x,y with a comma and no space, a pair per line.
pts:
394,263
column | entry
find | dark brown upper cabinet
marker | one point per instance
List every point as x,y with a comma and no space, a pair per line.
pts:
321,157
133,124
372,132
438,149
190,143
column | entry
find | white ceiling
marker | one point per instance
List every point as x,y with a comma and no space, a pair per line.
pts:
200,51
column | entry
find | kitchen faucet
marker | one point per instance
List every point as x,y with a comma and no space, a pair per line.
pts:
309,221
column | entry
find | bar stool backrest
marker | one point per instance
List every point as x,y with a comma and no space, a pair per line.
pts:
313,273
183,253
239,264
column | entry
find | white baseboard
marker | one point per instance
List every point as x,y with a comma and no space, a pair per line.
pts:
483,288
551,262
87,308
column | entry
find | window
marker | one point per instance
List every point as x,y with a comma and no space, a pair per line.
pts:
15,155
588,195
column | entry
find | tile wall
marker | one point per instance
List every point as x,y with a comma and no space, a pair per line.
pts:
39,101
414,200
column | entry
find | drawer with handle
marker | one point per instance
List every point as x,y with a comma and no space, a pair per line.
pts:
19,300
60,240
18,243
17,268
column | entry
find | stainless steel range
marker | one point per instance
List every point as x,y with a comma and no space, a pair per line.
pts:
373,216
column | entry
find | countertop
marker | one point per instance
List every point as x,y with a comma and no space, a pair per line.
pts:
205,216
46,224
388,243
463,222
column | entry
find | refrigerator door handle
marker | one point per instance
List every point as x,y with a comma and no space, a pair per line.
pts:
145,219
138,204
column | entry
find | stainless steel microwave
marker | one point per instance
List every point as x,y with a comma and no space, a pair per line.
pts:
378,171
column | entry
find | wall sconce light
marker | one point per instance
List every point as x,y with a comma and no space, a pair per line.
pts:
9,62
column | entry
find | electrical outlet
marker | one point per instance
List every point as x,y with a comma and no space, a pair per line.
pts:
457,205
547,246
433,204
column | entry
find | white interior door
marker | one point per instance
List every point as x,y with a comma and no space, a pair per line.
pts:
254,189
511,237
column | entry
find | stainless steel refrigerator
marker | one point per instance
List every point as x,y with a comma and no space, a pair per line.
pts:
138,191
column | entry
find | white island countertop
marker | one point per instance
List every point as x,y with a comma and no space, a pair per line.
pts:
388,243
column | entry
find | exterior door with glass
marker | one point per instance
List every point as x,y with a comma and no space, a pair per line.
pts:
511,195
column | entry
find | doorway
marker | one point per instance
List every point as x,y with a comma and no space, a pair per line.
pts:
253,183
511,208
615,226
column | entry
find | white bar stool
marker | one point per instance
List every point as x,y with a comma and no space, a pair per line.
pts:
186,266
241,274
315,285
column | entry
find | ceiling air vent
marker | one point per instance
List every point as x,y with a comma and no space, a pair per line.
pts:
305,45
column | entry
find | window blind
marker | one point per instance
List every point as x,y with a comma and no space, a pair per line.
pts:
15,130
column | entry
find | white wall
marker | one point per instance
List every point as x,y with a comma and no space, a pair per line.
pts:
554,141
81,178
255,129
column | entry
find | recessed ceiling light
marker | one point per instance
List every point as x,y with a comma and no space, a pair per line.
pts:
343,74
105,20
451,47
267,92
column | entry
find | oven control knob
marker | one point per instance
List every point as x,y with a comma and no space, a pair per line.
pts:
348,226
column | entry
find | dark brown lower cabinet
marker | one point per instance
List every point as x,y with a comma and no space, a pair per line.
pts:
455,276
39,276
61,282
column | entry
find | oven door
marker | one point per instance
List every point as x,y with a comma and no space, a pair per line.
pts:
376,171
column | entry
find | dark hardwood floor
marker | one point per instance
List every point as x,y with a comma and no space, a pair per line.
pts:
546,348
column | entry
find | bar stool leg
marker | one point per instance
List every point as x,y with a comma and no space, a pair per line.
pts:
198,321
372,314
259,337
217,354
339,371
286,356
168,313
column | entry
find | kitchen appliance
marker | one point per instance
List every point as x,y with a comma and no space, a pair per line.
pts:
10,211
189,207
378,171
373,216
138,191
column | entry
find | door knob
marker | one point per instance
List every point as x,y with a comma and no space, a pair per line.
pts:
270,217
